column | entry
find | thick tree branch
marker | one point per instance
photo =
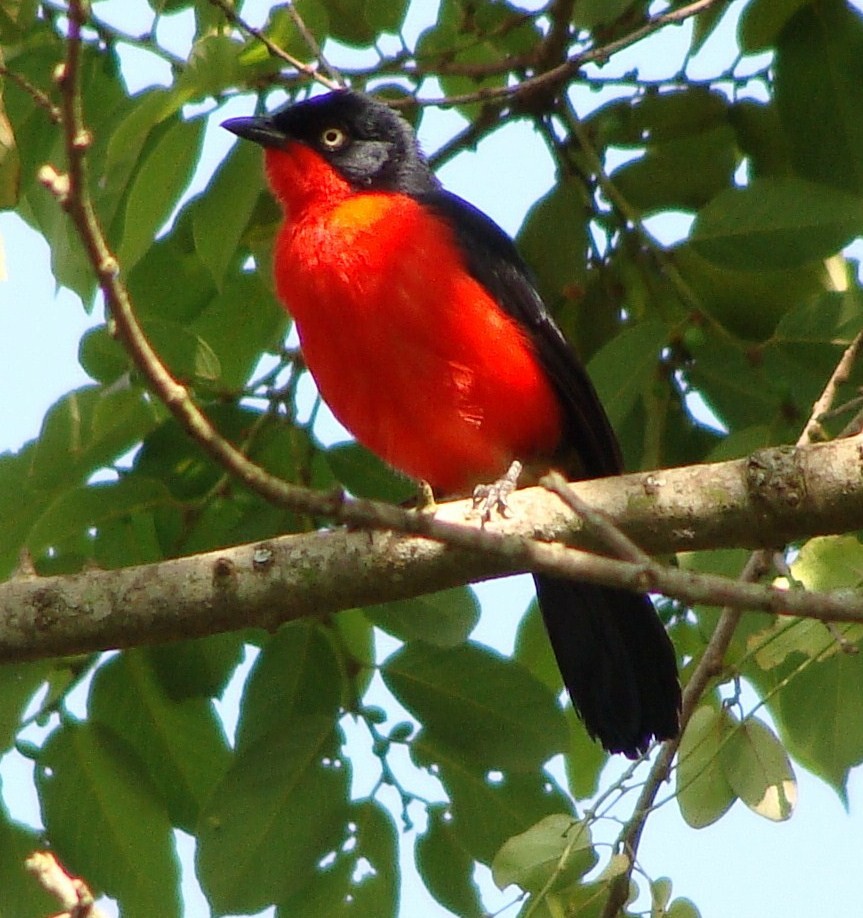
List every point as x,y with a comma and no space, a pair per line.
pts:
813,490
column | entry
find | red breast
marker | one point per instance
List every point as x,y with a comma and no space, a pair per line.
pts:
412,354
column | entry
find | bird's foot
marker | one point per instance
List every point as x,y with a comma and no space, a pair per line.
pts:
491,498
425,499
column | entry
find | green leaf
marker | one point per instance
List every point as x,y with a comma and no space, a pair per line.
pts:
355,636
283,448
660,893
213,65
554,239
758,771
200,668
788,636
823,563
79,510
761,138
364,475
171,282
130,137
446,865
479,702
124,541
236,346
470,34
181,743
10,161
104,102
682,173
584,899
638,349
820,716
168,455
799,371
830,563
16,17
280,809
703,791
186,354
349,24
84,431
156,187
733,382
584,759
682,908
18,684
364,877
588,14
557,846
704,25
444,619
102,356
819,93
87,777
296,675
386,15
761,22
727,562
776,223
487,808
533,649
658,117
23,895
221,216
832,318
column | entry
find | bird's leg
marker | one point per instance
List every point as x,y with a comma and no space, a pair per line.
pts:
488,498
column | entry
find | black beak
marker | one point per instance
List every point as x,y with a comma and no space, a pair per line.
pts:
260,130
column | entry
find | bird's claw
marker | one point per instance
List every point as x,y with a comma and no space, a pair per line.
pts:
494,497
425,499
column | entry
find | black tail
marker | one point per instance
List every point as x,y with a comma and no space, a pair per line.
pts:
617,662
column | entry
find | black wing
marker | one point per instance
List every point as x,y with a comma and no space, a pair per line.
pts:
615,658
492,259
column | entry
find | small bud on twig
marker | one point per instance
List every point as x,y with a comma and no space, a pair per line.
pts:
56,182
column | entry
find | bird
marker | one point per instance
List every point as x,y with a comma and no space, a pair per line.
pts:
427,337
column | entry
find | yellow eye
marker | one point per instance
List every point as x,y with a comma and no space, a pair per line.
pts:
333,138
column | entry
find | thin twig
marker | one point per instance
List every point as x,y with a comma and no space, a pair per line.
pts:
41,98
313,44
558,76
488,119
630,217
310,70
617,540
824,403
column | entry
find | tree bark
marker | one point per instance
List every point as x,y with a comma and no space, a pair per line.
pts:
764,501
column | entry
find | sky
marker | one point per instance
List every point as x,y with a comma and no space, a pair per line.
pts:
743,865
